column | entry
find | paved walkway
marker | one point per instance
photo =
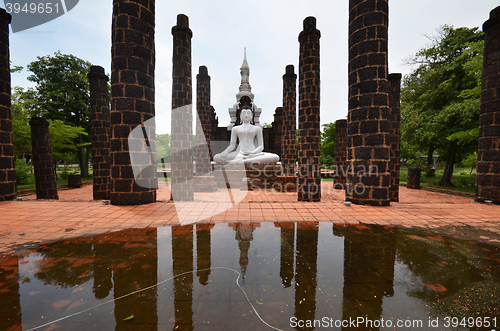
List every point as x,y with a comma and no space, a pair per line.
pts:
75,214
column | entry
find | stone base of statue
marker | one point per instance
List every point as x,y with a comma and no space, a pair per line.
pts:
206,183
286,184
248,176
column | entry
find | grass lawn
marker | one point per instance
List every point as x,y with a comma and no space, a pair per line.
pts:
463,181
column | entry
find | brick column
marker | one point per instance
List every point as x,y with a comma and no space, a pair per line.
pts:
45,178
100,124
369,178
289,155
340,152
133,175
394,138
182,133
8,186
277,132
488,156
309,182
203,125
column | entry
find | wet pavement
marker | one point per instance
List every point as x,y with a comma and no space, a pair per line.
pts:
430,258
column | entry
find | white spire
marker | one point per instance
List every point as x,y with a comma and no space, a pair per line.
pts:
245,74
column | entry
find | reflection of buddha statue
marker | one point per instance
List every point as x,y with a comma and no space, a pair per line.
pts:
251,143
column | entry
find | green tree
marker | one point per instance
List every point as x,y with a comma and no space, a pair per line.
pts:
20,123
441,98
62,93
163,147
328,144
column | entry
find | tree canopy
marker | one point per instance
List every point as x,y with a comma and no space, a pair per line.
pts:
440,99
328,144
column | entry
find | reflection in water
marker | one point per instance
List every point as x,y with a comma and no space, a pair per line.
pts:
387,273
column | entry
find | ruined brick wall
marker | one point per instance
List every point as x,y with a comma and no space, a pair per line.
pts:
8,186
309,182
100,124
45,178
488,156
289,151
394,138
132,102
340,152
182,153
203,125
369,178
276,146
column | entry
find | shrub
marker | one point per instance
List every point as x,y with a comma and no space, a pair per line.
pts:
23,173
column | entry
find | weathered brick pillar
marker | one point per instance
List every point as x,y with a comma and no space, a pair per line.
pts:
45,178
100,124
289,155
203,125
394,138
340,152
488,156
369,178
309,183
133,180
413,179
277,132
8,187
182,132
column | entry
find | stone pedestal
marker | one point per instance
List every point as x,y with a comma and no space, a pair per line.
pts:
100,125
233,175
205,183
368,180
182,116
394,137
286,184
289,146
340,152
8,186
309,184
45,178
75,181
488,156
413,181
133,166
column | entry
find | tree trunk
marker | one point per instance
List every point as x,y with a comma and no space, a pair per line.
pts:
430,158
87,157
448,168
81,158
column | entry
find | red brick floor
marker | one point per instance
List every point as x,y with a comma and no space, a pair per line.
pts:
75,214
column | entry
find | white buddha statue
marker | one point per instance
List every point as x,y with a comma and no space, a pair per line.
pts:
251,143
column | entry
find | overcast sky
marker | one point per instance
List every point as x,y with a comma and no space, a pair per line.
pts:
268,29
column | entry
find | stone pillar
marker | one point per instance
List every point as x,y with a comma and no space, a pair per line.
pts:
45,178
488,156
182,135
369,178
100,125
309,181
340,152
8,186
394,138
203,125
289,155
277,133
133,168
413,179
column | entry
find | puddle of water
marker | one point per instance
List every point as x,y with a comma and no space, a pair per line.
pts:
301,276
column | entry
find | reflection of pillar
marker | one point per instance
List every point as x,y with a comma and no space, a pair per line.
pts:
395,123
244,235
8,187
102,272
100,122
309,182
368,179
182,117
203,252
10,302
289,154
287,252
306,269
340,151
45,178
136,268
369,256
133,102
182,261
203,127
488,155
